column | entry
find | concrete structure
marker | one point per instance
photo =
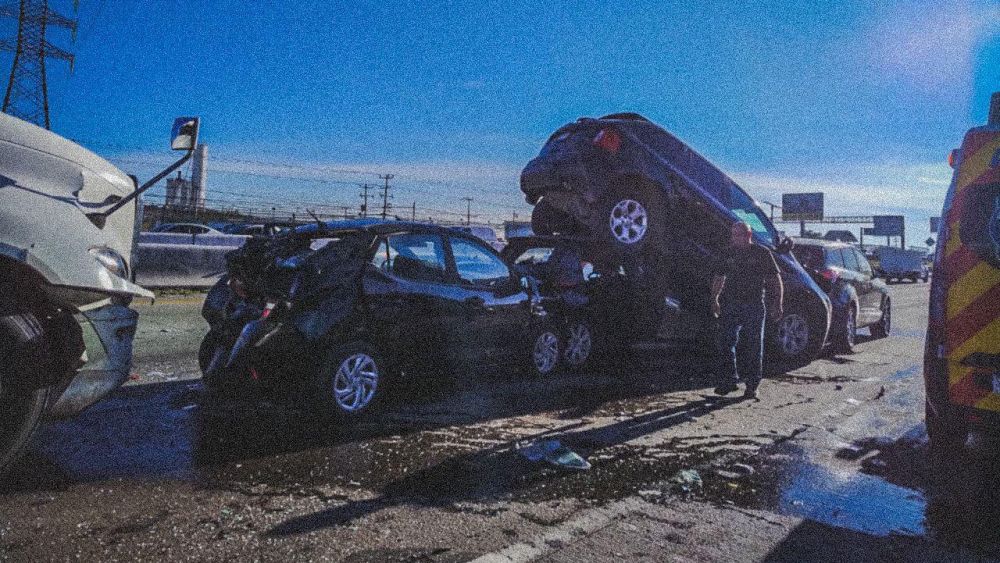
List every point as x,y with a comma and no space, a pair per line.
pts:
190,194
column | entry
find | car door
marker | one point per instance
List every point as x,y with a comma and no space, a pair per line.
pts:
497,310
869,296
852,277
411,300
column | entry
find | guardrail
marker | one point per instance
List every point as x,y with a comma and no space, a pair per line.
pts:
181,260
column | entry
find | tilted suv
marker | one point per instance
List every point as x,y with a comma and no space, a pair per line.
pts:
962,355
859,298
649,204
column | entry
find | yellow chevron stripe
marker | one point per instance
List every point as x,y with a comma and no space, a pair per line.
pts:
986,340
975,166
991,402
956,372
973,284
954,239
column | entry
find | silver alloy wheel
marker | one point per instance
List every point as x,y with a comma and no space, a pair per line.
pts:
793,334
579,344
629,221
852,326
545,354
355,382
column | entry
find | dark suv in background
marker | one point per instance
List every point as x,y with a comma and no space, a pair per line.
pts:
649,205
860,299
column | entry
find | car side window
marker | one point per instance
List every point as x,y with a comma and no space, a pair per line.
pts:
412,256
863,265
850,260
834,258
477,265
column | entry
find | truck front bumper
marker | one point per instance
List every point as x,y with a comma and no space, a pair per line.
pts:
107,334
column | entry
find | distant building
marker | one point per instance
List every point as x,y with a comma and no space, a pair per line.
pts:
840,236
190,194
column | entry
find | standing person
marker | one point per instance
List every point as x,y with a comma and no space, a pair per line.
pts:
741,276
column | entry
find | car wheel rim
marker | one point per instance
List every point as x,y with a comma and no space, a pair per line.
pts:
851,328
356,382
546,352
629,221
793,335
579,344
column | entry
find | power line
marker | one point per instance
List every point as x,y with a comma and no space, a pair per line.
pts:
468,210
386,206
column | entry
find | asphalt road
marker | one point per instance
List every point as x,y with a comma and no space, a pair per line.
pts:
829,464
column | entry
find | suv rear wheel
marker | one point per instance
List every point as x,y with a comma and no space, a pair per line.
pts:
792,335
847,331
632,217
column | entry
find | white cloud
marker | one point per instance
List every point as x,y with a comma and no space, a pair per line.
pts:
934,47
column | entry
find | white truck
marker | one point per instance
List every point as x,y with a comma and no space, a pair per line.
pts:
900,264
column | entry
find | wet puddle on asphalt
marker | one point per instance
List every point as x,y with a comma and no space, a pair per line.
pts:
876,488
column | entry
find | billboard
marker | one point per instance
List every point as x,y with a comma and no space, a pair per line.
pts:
888,225
802,207
935,223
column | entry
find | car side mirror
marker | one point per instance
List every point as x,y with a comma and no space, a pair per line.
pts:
785,245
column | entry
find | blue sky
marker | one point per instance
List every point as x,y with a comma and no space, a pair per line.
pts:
860,99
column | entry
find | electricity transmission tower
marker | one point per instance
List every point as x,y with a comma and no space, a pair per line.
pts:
27,94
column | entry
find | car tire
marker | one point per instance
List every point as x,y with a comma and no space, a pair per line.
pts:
847,330
883,327
579,345
632,218
21,410
947,433
543,355
210,346
350,381
794,337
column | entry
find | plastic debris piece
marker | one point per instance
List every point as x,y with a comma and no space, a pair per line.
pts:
553,452
687,481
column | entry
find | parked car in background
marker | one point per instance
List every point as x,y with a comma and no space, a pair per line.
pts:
900,264
254,229
647,203
962,353
858,297
485,234
185,228
333,312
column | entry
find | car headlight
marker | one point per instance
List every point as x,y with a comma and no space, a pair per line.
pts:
111,260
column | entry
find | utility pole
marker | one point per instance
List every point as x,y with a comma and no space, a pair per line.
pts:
386,206
364,205
27,94
468,210
413,214
346,209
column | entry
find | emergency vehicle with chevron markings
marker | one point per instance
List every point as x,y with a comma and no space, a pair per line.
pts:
962,353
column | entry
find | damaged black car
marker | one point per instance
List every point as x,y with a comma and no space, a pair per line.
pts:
650,206
334,312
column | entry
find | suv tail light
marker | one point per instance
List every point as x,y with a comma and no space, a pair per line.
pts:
608,139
